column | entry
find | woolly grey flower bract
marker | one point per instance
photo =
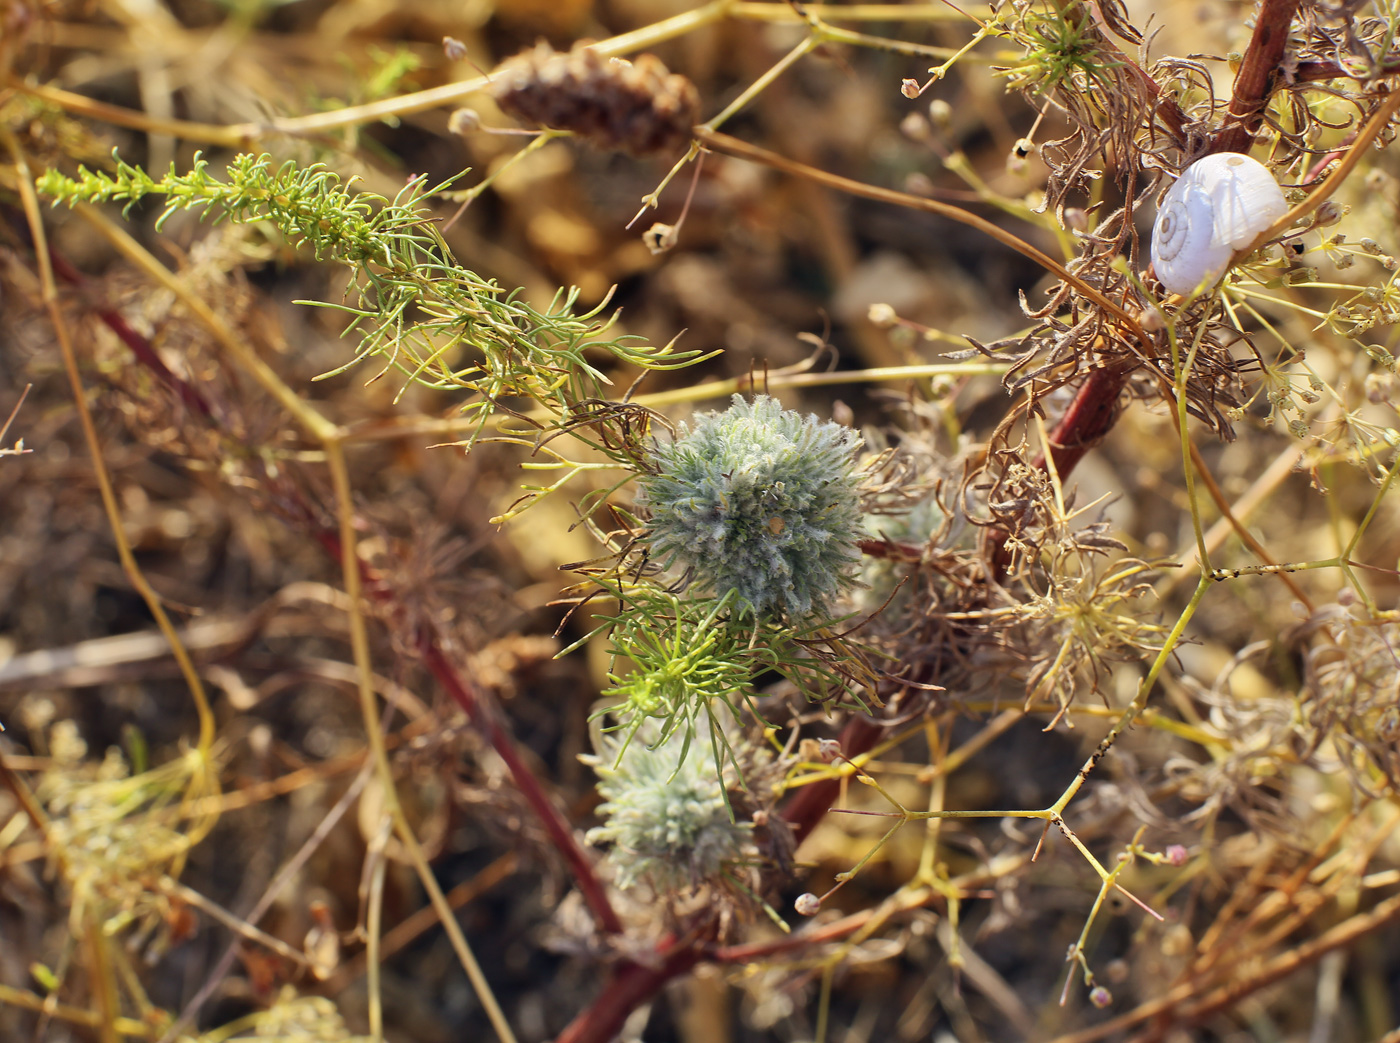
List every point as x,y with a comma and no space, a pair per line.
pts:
665,814
762,501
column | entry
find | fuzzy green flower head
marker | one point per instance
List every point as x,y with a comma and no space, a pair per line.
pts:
665,816
762,501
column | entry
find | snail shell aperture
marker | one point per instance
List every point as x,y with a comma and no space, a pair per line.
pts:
1218,205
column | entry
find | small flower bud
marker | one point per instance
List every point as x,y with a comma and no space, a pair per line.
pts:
910,88
918,184
1379,387
1177,855
454,48
829,749
807,904
914,127
940,113
1329,213
1100,997
882,315
463,121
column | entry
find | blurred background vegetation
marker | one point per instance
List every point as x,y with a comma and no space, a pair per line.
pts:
1252,804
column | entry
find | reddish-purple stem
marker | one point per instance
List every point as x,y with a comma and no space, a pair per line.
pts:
139,345
1090,416
629,986
1262,61
559,829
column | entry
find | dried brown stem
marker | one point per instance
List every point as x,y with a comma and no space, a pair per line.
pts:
1176,1006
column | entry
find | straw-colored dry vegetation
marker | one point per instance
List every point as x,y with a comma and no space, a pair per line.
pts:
373,665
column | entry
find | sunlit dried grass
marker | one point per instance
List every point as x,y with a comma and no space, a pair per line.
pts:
1280,797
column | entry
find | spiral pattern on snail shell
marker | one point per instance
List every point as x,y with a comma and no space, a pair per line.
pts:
1220,204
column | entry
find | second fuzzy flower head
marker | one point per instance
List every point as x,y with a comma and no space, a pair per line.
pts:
761,501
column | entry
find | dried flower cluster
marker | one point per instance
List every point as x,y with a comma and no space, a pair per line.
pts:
761,501
638,107
1353,698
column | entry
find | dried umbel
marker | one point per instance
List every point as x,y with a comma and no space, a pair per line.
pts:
637,107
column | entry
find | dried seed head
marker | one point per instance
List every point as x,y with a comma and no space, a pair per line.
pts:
453,48
637,107
660,237
463,121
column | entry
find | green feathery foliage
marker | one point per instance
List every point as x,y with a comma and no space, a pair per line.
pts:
411,302
691,663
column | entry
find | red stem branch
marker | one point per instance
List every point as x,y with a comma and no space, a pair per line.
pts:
139,346
556,825
630,985
1261,63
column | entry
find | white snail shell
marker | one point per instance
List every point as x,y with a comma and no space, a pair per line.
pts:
1218,205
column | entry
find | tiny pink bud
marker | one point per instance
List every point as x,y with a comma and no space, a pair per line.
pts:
807,904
